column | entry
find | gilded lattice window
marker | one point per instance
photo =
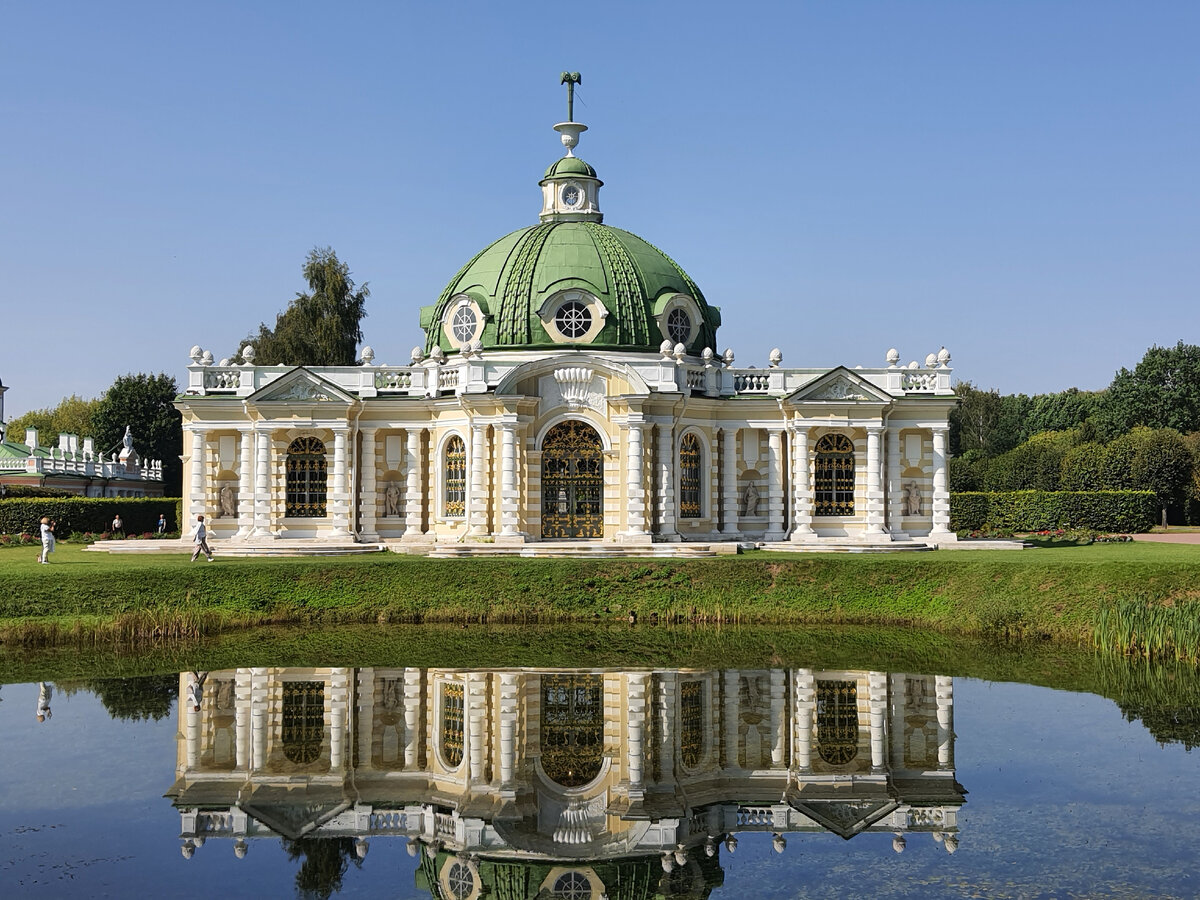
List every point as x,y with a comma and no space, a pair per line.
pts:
837,721
689,476
833,476
456,478
452,723
303,729
306,478
572,728
691,732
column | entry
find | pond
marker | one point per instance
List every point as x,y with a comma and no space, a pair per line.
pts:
783,779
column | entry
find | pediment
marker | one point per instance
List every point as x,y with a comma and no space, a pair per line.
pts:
293,820
301,386
846,818
839,386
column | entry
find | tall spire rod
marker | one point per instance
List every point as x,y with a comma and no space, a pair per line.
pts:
570,79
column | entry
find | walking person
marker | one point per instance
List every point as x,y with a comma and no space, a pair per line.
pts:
47,539
200,539
118,526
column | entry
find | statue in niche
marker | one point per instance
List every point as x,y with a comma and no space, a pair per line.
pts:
750,500
391,499
227,500
912,499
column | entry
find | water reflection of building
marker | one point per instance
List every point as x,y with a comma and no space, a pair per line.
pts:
565,781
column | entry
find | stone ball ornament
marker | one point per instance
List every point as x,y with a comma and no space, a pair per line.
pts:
368,354
931,360
248,354
207,358
707,355
943,357
417,354
728,356
775,358
680,351
893,357
665,348
196,353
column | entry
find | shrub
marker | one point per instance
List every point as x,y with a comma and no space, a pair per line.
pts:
85,513
1127,511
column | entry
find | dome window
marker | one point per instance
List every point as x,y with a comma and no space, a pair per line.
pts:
463,326
573,319
679,325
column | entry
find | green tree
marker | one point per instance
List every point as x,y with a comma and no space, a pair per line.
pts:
325,862
1083,467
137,698
321,327
145,404
1163,391
1163,464
1062,411
73,415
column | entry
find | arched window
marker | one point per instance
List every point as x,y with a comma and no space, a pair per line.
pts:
837,721
833,476
689,476
572,728
691,714
306,478
456,478
452,723
303,721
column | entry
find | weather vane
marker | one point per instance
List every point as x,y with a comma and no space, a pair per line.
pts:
570,79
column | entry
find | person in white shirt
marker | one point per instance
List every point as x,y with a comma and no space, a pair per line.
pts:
47,539
200,539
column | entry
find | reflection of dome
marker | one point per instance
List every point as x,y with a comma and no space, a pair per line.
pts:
514,278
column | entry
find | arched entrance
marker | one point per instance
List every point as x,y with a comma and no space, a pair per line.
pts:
572,482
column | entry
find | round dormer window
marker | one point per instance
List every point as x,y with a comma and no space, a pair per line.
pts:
679,325
573,319
463,324
572,886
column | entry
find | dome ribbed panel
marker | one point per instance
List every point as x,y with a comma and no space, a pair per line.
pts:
439,313
708,334
628,291
512,319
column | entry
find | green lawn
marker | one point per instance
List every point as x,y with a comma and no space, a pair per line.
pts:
1056,592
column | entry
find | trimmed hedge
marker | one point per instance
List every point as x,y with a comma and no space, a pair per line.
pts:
93,514
1127,511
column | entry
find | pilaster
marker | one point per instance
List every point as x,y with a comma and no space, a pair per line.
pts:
875,510
245,482
774,485
801,485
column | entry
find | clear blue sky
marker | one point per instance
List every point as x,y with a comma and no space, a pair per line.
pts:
1017,181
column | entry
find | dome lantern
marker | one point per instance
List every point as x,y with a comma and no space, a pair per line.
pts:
570,188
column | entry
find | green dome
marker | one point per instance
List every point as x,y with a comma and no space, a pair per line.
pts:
512,279
570,165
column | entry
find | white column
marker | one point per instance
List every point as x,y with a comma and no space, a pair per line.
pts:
508,729
339,701
635,493
666,480
245,482
806,704
262,484
636,710
414,494
412,716
197,489
368,494
477,500
895,489
801,484
242,695
774,486
898,732
874,488
666,713
732,720
729,496
941,490
192,728
778,708
944,686
877,702
258,718
510,496
476,710
364,693
340,496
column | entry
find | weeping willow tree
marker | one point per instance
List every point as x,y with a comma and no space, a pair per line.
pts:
320,327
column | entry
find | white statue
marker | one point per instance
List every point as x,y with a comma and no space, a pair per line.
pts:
391,500
912,505
227,497
127,440
750,500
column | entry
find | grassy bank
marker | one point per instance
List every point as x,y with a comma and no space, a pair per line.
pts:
1057,592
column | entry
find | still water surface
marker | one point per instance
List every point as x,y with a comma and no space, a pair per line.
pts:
569,784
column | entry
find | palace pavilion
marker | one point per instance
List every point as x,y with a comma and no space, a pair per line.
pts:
569,387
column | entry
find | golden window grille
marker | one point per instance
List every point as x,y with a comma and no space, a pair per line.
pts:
691,731
689,477
303,726
572,482
572,728
456,478
837,721
833,476
452,723
307,478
